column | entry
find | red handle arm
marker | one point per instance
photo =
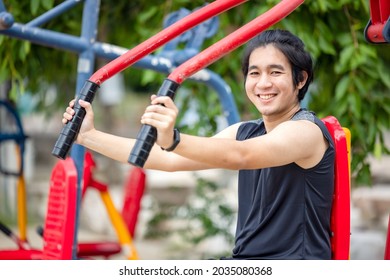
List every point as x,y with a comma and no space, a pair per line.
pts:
156,41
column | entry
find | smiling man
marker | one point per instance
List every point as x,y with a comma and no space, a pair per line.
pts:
285,159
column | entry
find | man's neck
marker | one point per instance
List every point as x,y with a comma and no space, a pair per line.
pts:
271,122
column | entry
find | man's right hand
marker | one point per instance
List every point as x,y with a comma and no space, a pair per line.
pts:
88,122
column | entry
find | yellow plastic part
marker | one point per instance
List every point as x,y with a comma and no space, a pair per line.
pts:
22,202
120,227
348,139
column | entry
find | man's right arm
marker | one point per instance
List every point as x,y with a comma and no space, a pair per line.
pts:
119,148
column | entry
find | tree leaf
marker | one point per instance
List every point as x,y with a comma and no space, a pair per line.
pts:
34,5
47,4
342,87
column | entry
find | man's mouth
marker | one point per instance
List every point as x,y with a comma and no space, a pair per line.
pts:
266,96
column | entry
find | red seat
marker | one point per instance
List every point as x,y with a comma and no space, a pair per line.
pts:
340,216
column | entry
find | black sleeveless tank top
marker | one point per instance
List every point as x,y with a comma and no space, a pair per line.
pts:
284,212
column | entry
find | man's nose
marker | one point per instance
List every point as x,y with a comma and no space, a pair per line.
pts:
264,81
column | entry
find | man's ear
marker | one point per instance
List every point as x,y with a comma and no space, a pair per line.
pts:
303,79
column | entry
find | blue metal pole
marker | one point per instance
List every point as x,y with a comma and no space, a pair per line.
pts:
6,19
85,68
47,38
54,12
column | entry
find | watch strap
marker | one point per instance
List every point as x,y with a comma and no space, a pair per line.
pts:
176,141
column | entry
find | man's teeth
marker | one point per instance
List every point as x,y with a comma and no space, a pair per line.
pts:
266,96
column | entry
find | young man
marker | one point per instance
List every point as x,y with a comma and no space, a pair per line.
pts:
285,159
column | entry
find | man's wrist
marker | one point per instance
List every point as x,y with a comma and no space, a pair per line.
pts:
176,141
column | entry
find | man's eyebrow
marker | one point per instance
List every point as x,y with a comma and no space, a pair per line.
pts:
277,66
271,66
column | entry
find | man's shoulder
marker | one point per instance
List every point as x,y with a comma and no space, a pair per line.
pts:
304,114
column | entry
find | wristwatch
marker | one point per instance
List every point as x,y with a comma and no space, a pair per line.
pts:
176,141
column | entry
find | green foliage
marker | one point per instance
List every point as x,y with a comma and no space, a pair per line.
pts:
351,78
210,215
206,215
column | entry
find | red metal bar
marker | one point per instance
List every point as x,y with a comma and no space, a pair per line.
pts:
234,40
156,41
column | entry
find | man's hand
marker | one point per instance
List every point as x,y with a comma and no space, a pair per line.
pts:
161,114
88,122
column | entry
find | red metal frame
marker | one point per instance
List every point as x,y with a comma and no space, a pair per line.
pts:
134,190
378,27
105,249
387,248
21,254
340,217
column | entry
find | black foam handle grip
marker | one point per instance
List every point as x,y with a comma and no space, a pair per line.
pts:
147,135
69,132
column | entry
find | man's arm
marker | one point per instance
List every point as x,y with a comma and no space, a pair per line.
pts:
301,142
291,141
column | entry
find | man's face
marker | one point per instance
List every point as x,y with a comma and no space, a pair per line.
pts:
269,83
